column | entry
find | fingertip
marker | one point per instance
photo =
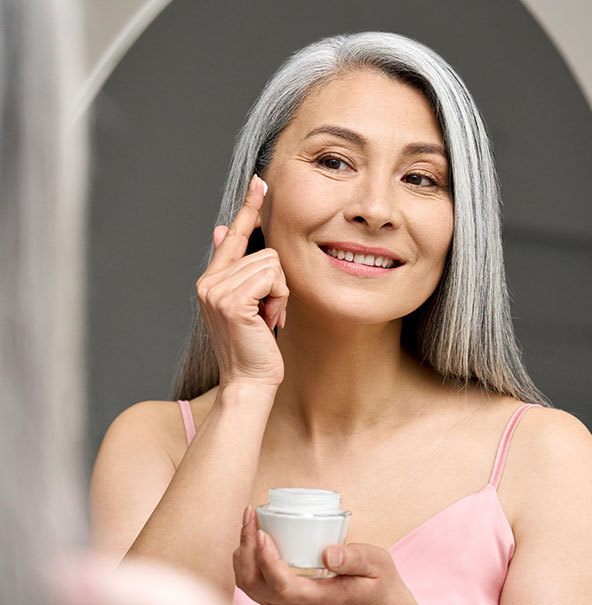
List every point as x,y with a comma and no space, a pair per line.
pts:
219,234
282,318
253,183
247,515
334,557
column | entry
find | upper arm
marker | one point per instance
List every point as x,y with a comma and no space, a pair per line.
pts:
131,473
552,562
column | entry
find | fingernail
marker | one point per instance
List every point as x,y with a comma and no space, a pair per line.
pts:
282,320
276,320
247,515
265,187
260,539
334,558
253,183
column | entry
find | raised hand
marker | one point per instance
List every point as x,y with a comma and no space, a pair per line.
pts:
230,293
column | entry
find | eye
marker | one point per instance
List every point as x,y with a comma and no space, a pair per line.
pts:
419,180
333,163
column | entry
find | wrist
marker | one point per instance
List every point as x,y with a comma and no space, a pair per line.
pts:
252,394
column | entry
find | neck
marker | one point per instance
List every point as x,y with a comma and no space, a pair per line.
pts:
343,380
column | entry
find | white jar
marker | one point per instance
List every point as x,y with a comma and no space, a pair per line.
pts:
302,523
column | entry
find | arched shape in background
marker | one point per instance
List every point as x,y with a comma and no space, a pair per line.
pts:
165,123
113,26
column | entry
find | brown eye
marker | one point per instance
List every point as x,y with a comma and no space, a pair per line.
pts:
332,163
419,180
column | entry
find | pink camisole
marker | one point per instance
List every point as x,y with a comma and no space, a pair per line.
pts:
460,556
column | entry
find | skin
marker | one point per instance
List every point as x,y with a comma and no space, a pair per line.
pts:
335,395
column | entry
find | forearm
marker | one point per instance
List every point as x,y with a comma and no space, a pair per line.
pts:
197,522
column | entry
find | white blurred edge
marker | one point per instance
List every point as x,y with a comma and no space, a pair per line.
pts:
115,51
568,24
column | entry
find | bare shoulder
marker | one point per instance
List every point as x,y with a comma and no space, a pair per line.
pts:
550,460
553,436
550,465
160,424
138,458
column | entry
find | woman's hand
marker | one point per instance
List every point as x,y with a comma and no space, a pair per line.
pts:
367,574
230,294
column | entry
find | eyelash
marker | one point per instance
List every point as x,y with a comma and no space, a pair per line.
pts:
326,157
323,158
433,182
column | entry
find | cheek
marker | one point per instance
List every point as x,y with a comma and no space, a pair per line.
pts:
298,202
434,233
445,232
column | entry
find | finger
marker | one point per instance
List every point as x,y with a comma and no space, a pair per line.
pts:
234,245
269,255
273,308
247,287
277,575
219,234
358,560
245,563
272,311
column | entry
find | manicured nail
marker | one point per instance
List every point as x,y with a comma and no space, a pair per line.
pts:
260,539
275,321
253,183
334,558
247,515
265,187
282,320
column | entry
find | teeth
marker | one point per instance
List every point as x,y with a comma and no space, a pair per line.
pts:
361,259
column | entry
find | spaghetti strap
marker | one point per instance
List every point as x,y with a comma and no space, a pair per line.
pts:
187,421
504,444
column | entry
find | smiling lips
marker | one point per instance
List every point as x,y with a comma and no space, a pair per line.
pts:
354,254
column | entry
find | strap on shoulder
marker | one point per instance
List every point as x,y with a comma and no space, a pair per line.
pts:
504,444
187,421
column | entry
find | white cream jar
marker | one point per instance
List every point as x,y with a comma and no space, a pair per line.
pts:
302,523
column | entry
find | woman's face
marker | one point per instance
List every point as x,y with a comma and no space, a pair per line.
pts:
360,172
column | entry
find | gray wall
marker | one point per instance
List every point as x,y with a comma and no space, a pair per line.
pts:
164,129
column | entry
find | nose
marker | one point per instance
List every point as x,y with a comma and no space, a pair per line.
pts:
374,205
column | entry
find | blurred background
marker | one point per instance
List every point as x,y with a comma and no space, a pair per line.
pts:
168,86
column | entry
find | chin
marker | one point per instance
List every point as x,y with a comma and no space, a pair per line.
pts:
353,310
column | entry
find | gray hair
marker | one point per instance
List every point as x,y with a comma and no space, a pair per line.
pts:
41,295
464,330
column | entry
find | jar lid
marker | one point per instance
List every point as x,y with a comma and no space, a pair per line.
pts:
301,500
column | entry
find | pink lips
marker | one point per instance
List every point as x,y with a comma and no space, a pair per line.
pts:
361,249
356,268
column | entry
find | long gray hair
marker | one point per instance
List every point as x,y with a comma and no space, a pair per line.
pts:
42,163
464,330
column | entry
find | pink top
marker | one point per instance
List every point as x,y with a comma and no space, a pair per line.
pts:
460,556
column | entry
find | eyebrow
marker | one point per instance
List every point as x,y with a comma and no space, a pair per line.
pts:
361,141
339,131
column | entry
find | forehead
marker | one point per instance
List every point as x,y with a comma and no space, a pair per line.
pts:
369,101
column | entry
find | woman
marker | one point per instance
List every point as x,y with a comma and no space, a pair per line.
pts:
393,374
